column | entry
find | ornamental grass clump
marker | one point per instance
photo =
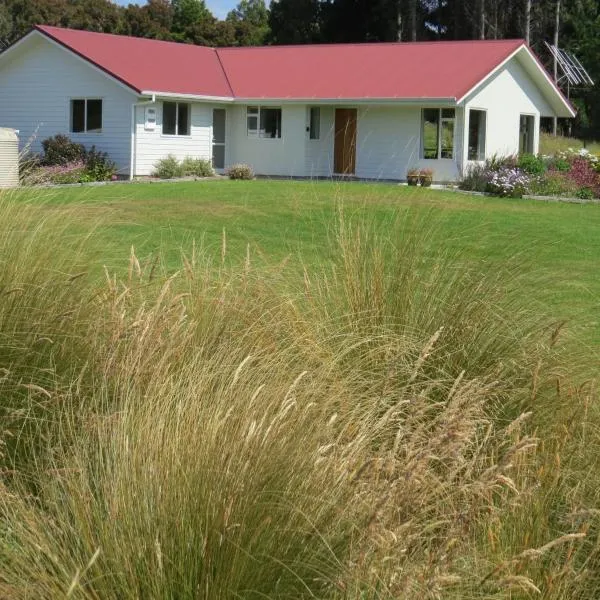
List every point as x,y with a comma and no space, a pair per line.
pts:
394,422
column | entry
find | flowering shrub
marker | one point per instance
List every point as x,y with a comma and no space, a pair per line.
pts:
582,173
508,181
64,161
72,172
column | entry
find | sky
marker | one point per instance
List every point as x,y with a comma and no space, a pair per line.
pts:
219,8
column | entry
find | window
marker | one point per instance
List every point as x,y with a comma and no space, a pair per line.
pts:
315,123
437,133
263,122
86,116
176,118
476,135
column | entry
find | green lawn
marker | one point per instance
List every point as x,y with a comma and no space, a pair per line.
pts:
280,219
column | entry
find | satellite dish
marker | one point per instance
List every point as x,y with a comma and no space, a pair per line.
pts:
573,72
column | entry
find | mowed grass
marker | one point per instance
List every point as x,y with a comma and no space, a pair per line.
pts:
289,220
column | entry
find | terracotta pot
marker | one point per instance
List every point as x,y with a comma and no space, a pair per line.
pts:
412,179
425,180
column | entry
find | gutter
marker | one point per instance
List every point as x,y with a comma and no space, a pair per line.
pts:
133,154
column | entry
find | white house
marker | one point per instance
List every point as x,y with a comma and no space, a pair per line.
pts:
365,110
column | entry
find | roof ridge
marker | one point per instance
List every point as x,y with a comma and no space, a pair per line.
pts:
280,46
362,44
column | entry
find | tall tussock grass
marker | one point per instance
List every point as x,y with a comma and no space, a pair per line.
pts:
398,422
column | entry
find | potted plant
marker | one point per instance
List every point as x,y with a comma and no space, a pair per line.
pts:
412,176
425,177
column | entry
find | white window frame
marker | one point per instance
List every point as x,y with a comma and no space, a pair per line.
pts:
254,112
176,134
485,132
440,123
85,116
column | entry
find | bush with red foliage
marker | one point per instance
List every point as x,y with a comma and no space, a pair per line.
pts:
584,174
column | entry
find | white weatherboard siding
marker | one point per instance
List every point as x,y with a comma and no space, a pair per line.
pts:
36,86
506,95
151,146
284,157
389,143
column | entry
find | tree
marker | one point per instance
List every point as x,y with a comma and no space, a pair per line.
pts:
250,20
153,20
360,20
295,22
6,26
188,13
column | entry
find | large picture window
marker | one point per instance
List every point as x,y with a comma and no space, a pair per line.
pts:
437,133
86,115
176,118
476,135
263,122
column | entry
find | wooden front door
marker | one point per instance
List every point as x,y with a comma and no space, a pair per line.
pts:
345,141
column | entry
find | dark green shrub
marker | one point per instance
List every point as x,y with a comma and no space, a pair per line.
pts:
585,193
198,167
532,164
168,168
560,164
240,171
98,165
61,150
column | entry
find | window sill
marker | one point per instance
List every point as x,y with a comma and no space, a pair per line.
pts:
264,139
95,132
176,136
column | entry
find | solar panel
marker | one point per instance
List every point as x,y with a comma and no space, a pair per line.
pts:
572,70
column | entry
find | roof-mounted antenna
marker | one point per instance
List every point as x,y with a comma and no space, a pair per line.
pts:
573,72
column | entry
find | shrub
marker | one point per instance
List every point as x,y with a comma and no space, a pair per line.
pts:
496,162
585,193
532,164
240,171
476,178
559,164
198,167
98,165
508,182
553,183
61,150
583,174
168,168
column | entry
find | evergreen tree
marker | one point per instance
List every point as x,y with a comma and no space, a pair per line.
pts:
296,22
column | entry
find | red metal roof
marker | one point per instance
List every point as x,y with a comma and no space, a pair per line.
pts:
333,71
383,70
145,64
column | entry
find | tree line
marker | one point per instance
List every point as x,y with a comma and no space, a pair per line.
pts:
575,23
